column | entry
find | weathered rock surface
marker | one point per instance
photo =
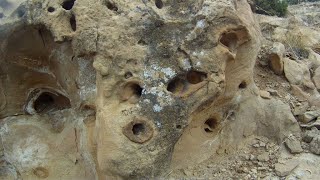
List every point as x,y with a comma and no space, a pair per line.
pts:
276,57
293,144
315,145
136,89
297,73
316,78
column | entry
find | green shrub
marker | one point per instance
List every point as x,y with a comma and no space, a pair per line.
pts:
271,7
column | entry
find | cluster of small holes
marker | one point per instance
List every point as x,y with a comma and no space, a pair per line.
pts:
68,5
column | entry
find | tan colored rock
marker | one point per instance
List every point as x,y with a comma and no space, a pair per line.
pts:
283,170
297,73
265,95
293,144
314,59
316,78
309,116
315,145
130,89
276,58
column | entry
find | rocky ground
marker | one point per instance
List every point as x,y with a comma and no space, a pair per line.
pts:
288,69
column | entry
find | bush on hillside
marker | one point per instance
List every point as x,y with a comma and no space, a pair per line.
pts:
271,7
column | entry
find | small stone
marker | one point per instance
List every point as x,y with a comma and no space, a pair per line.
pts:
187,172
309,116
294,145
252,158
301,109
256,145
273,92
309,135
263,157
285,169
262,168
315,145
265,95
262,144
254,171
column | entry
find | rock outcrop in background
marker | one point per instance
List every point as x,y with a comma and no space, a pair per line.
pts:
133,89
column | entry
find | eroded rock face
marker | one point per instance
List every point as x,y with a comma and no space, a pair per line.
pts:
171,84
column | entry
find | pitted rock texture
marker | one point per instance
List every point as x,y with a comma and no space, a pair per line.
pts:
136,88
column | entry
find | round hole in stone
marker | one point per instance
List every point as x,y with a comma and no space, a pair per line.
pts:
243,85
138,129
111,6
73,22
195,77
68,5
43,102
178,126
131,92
229,40
1,15
210,125
176,86
128,75
51,9
159,4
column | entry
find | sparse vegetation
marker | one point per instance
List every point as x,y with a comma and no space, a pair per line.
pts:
296,47
271,7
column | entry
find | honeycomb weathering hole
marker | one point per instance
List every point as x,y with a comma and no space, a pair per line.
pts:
159,4
128,75
243,85
183,84
111,5
131,92
51,9
210,125
195,77
138,131
44,101
68,5
230,40
176,86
